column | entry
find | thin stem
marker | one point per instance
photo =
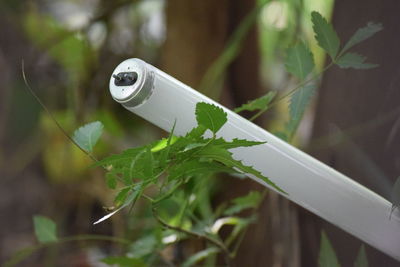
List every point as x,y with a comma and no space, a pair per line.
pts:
213,241
51,115
292,91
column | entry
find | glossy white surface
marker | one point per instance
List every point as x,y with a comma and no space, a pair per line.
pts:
308,182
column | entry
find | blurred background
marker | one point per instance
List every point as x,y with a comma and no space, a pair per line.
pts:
231,50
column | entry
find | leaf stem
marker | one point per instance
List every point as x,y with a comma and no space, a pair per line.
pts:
213,241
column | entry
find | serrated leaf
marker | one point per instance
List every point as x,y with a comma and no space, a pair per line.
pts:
196,167
260,103
325,35
299,61
225,157
111,180
327,256
122,261
361,260
362,34
395,196
45,229
355,61
88,135
222,143
298,104
122,159
210,116
199,256
250,200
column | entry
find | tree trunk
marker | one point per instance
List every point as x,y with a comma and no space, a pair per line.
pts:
365,101
197,32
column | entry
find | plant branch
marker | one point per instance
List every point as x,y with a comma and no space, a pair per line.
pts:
213,241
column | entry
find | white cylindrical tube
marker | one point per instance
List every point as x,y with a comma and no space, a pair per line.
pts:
162,100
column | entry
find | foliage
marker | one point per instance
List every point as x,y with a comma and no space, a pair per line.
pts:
327,256
175,171
45,229
88,135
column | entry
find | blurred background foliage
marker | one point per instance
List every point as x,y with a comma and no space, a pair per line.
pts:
232,50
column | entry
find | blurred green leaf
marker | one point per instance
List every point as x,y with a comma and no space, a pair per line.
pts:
298,104
355,61
45,229
325,35
121,196
148,164
299,61
362,34
111,180
260,103
122,261
251,200
361,260
88,135
210,116
199,256
327,256
70,49
144,246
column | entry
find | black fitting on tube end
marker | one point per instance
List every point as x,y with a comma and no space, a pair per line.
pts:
132,82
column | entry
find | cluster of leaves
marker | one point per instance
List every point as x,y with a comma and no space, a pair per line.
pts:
169,165
300,63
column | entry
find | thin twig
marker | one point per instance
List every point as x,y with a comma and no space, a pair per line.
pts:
213,241
51,115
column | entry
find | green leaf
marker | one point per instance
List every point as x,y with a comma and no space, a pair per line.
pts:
148,164
122,159
199,256
222,143
299,61
362,34
225,157
298,104
111,179
131,198
121,196
361,260
260,103
325,35
123,261
355,61
88,135
327,256
196,167
250,200
144,246
45,229
210,116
